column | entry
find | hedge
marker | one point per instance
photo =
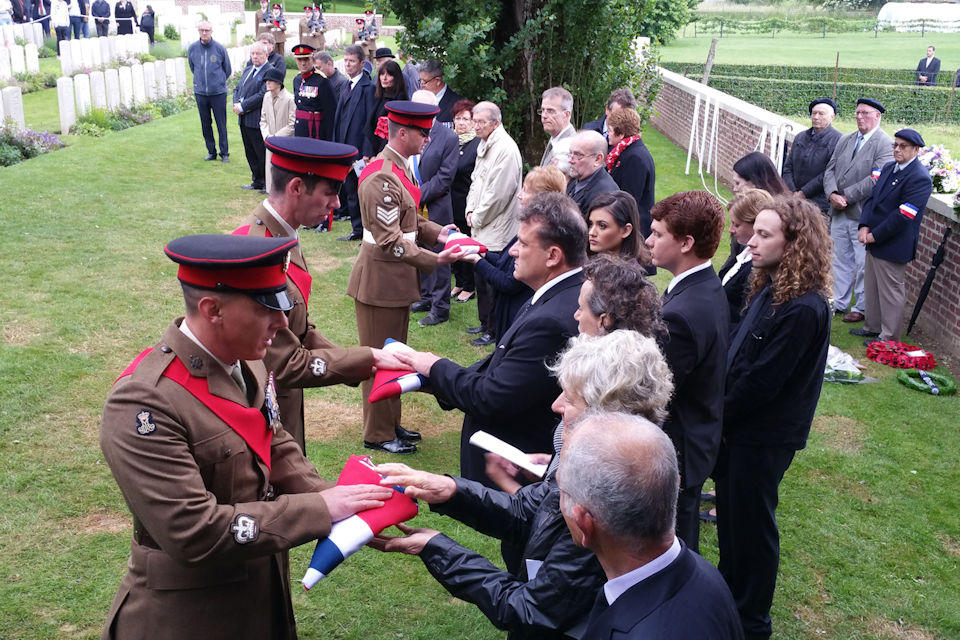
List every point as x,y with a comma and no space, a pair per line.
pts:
815,74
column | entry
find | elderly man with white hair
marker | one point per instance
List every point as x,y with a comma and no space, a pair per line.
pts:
556,109
618,481
810,152
588,159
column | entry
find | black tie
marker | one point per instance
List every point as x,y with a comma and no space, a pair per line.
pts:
523,310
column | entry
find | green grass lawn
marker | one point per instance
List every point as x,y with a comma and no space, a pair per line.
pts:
869,511
886,51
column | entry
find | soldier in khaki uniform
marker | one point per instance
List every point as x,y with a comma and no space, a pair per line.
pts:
218,491
384,281
307,174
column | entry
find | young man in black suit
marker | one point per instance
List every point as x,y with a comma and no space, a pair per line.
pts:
773,382
509,393
618,481
354,106
685,233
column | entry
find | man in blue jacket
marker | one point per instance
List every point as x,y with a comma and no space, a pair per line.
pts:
247,100
889,228
210,66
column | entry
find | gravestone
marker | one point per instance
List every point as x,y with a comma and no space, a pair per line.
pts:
32,58
5,73
126,86
149,81
76,53
81,89
98,90
13,105
139,91
112,46
96,53
37,33
66,60
17,33
6,35
180,65
160,75
170,76
104,44
86,52
2,114
112,78
17,62
68,114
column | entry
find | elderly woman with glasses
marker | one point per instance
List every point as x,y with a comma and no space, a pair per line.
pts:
550,593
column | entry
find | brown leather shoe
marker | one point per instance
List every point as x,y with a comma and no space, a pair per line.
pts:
853,316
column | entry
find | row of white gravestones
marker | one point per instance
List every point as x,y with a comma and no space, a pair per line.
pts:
31,33
18,59
89,53
11,106
238,57
113,88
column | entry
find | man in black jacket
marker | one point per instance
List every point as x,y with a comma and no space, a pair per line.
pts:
928,68
100,10
247,100
588,170
810,152
773,382
684,235
509,393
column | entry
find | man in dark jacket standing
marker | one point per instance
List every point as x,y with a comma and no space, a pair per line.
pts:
100,10
773,382
810,153
588,170
354,106
247,100
126,17
210,66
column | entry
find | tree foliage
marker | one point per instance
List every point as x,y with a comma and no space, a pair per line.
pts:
509,52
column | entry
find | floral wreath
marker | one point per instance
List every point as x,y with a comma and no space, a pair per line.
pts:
900,355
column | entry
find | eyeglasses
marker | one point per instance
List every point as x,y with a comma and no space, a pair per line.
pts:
902,145
550,111
579,155
865,113
480,123
424,83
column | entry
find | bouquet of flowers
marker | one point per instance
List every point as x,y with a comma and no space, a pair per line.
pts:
944,170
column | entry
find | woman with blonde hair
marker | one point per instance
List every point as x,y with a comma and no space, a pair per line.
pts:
735,272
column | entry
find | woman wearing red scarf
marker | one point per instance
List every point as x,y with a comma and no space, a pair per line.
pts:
630,163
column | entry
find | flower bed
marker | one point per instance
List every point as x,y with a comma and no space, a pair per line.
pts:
17,145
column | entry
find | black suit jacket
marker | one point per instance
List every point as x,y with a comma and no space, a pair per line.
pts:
450,98
598,182
438,164
249,93
687,599
509,393
634,172
595,125
353,115
698,324
931,71
462,181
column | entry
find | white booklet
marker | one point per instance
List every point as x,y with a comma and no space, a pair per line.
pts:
495,445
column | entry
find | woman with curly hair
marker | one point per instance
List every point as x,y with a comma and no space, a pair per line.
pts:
617,295
774,375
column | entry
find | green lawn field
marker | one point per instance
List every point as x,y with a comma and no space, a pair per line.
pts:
870,512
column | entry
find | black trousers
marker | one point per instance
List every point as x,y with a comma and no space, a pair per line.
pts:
486,299
351,202
688,516
256,154
217,105
463,272
435,288
103,28
748,482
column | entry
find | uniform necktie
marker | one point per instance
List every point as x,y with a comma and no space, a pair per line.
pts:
416,168
857,148
237,374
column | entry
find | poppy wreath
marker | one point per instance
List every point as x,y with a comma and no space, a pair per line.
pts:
900,355
938,385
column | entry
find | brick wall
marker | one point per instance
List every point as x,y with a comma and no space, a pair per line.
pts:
740,127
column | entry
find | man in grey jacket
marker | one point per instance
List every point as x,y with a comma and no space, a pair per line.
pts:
210,66
848,182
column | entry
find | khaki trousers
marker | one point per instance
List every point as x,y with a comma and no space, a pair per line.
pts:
374,326
885,296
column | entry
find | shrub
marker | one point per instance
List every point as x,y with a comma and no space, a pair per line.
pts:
146,57
87,129
46,52
170,32
99,118
31,82
16,145
9,155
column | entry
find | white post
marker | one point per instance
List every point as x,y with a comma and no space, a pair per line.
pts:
68,114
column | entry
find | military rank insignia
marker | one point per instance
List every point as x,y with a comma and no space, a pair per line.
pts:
244,529
273,408
145,424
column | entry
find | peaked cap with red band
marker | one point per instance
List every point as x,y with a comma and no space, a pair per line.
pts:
412,114
302,50
311,157
251,265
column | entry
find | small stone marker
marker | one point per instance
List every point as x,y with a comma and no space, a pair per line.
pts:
126,86
30,54
113,88
98,90
13,105
68,114
81,89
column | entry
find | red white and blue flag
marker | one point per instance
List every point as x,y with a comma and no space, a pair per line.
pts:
908,210
875,174
390,383
349,535
467,244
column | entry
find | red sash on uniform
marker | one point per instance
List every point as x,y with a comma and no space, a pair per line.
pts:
411,188
250,424
300,277
313,120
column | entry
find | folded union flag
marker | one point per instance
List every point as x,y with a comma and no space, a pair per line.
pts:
349,535
390,383
467,244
